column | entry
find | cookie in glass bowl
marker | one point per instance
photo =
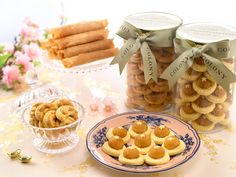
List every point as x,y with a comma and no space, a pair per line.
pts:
52,135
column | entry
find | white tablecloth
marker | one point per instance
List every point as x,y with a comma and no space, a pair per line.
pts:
215,158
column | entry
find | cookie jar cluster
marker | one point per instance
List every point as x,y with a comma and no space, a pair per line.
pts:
200,99
151,96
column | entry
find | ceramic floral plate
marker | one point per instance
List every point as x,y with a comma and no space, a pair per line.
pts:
97,136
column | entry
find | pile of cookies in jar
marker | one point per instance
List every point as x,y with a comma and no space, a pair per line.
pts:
151,96
200,99
154,96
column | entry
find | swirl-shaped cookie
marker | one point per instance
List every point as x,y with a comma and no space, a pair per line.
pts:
50,120
62,102
66,112
42,109
32,111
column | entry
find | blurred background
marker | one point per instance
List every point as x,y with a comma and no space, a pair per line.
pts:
47,13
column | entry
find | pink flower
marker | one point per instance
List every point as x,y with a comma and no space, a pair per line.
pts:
8,48
30,33
10,75
95,106
24,61
109,108
32,50
28,22
18,53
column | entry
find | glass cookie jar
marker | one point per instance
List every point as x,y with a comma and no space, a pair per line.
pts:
200,99
151,96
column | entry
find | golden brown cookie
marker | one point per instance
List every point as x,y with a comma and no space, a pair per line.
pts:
132,68
204,86
137,100
131,93
187,93
208,76
187,113
191,75
34,122
217,115
140,66
202,105
42,109
202,124
218,96
65,112
62,102
143,89
182,81
160,86
157,52
67,121
133,83
155,98
226,120
140,79
169,98
136,57
228,102
50,120
167,56
131,105
199,65
32,113
161,67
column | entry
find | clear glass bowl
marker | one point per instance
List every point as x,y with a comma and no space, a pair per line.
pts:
36,93
54,140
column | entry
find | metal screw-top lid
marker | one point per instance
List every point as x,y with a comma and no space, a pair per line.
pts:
154,20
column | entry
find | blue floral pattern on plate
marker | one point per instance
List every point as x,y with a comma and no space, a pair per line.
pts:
97,136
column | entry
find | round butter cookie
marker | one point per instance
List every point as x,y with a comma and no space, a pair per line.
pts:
202,105
204,86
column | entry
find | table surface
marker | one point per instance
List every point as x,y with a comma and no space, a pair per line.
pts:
216,156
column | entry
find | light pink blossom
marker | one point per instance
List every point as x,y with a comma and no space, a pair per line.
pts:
28,22
24,61
95,106
11,74
18,53
30,33
32,50
109,108
8,48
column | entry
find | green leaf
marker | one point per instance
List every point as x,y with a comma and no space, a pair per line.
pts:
46,34
36,63
1,48
3,59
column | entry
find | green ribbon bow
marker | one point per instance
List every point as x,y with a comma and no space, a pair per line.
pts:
137,39
211,53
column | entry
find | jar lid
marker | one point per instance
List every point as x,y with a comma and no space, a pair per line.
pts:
154,20
206,32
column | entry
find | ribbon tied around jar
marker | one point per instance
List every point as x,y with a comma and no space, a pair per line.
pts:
212,55
137,39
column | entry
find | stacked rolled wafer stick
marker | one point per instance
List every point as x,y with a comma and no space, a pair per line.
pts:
80,43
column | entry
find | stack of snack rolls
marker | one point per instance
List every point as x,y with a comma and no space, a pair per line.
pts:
79,43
